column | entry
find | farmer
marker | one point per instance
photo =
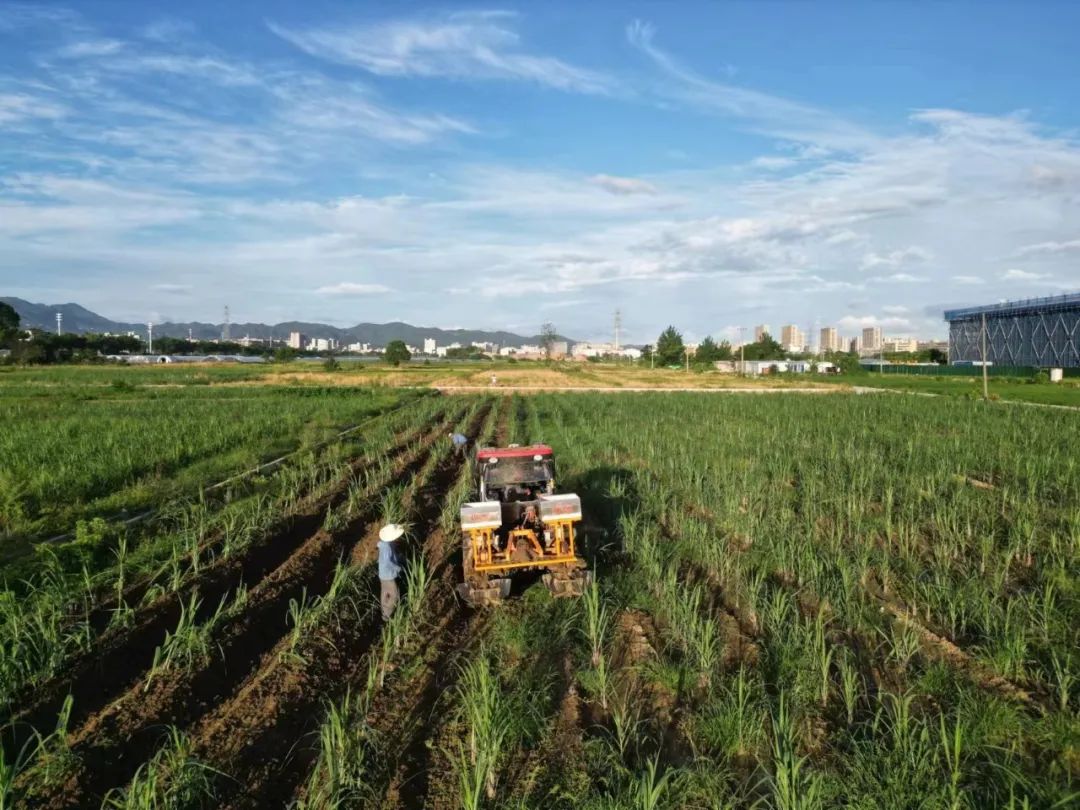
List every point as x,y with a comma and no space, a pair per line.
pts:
389,568
461,443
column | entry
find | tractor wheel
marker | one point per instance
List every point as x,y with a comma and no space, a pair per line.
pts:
478,590
568,583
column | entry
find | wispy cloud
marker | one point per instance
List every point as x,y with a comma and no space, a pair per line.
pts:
16,107
895,258
622,185
469,45
1014,274
349,288
762,112
1049,248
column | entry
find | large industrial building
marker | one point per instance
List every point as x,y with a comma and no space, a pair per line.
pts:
1041,332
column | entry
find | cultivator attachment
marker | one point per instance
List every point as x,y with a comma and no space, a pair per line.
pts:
519,525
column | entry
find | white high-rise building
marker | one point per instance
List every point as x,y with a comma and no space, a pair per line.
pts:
297,340
791,338
830,339
871,338
760,331
430,345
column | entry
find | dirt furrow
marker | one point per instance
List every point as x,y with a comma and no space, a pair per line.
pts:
112,743
120,657
261,737
942,649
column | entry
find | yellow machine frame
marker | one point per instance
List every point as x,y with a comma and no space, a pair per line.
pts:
488,559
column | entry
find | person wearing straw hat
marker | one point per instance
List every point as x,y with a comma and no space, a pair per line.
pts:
389,568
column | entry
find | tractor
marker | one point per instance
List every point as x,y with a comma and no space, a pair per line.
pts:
519,523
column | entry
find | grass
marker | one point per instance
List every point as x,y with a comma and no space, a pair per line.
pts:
1066,393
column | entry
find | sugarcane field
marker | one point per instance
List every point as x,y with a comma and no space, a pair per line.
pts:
561,405
784,600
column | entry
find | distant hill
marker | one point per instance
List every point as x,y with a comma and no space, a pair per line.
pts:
81,320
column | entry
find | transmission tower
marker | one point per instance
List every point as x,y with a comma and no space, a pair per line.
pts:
618,327
225,325
59,323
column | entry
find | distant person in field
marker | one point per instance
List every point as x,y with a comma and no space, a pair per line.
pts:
460,442
390,565
494,380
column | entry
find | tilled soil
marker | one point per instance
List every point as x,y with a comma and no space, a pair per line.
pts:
121,656
243,703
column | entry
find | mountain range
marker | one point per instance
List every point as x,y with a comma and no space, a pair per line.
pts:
80,320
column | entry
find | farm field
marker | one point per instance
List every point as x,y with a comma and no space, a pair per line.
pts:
801,601
74,451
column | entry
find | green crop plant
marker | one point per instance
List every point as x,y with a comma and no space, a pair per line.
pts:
173,779
794,785
340,775
486,716
597,622
191,641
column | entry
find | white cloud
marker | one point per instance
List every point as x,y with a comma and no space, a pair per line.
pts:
968,280
463,45
176,289
895,258
622,185
1049,248
1023,275
349,288
91,47
898,278
16,107
856,323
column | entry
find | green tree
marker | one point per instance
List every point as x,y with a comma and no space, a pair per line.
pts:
670,350
286,354
548,336
9,322
707,352
764,349
397,353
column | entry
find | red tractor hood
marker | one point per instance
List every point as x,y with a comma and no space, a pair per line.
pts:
514,452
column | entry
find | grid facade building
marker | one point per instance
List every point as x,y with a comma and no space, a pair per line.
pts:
1041,332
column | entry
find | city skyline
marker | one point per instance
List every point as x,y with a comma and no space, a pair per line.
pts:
496,168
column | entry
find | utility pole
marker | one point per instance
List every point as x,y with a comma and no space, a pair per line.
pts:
686,351
618,328
59,323
742,352
149,337
225,326
986,383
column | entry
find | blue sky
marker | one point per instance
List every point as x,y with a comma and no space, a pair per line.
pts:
710,165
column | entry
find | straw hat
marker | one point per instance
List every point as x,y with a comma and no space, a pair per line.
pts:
391,532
